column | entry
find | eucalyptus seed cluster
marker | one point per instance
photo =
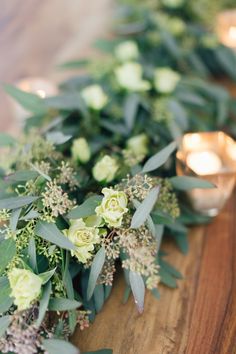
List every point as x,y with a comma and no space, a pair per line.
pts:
67,175
23,336
55,199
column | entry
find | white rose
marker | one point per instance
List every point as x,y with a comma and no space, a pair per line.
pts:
166,80
84,238
94,97
113,207
105,169
25,287
126,51
80,150
129,77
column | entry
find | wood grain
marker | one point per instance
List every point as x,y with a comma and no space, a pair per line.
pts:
196,318
200,316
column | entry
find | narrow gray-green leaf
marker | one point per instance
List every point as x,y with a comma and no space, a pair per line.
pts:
16,202
43,305
138,289
49,232
46,276
5,300
160,158
85,209
144,209
58,138
14,218
184,183
95,271
4,323
58,346
7,253
32,254
29,101
63,304
131,110
6,140
21,176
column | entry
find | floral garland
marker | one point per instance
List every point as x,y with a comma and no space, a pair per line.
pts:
91,185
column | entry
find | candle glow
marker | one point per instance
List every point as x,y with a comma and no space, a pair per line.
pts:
204,162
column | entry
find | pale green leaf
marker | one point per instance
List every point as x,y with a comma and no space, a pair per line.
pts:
7,253
184,183
43,305
4,323
58,346
85,209
138,289
144,209
95,271
63,304
160,158
16,202
49,232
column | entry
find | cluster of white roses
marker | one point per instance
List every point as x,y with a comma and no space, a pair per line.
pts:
86,233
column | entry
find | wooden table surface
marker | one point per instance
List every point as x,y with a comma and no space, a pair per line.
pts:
200,316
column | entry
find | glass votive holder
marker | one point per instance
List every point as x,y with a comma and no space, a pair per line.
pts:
226,28
210,156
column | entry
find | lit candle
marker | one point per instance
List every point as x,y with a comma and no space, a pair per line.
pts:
204,162
211,156
40,86
226,28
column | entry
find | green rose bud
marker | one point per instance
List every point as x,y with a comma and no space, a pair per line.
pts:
129,77
25,287
80,150
113,207
94,97
105,169
126,51
84,238
138,145
166,80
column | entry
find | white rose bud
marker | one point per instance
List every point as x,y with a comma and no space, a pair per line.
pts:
138,145
80,150
126,51
129,77
94,97
166,80
105,169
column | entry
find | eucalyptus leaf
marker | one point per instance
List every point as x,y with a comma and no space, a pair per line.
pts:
49,232
130,110
85,209
138,289
99,297
5,300
58,346
160,158
63,304
4,324
58,137
15,214
74,64
32,254
6,140
185,183
30,101
43,305
7,253
101,351
95,271
46,276
16,202
21,176
144,209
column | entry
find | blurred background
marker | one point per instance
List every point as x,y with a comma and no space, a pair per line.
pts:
36,36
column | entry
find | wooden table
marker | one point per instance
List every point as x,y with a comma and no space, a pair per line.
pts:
200,316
